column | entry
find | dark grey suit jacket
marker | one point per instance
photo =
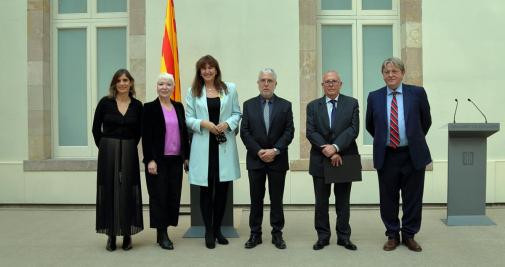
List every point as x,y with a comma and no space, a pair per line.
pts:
343,133
254,135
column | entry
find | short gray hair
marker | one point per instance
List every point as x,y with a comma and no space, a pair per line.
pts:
268,70
395,61
166,76
331,71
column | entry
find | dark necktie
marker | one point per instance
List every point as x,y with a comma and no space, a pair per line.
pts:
266,115
394,131
333,113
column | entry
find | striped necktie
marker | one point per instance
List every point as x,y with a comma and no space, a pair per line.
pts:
394,131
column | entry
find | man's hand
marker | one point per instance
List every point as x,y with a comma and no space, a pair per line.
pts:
328,150
267,155
336,160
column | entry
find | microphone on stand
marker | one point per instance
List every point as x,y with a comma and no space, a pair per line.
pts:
485,119
455,110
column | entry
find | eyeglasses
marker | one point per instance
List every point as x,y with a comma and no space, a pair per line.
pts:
332,82
394,72
267,81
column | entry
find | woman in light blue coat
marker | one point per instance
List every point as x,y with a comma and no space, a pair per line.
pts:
213,116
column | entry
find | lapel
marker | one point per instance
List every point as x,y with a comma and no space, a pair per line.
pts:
223,98
383,104
158,115
406,102
324,111
203,102
274,111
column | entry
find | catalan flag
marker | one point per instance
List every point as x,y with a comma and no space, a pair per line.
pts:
169,54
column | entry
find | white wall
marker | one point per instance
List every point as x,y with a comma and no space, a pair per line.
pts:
463,52
13,92
13,99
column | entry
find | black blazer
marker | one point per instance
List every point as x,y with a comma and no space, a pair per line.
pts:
153,131
343,134
254,134
417,123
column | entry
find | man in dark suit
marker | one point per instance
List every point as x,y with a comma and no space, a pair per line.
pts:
332,128
267,130
398,117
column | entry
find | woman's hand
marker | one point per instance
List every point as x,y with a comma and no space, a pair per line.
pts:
186,166
222,127
152,168
210,126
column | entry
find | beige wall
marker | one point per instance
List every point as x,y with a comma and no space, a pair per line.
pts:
462,44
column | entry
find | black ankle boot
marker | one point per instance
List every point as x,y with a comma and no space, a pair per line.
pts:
220,237
111,243
210,240
163,240
127,242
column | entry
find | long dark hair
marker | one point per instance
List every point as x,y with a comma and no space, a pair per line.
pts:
198,82
115,78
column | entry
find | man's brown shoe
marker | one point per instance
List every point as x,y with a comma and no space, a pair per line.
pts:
412,244
391,244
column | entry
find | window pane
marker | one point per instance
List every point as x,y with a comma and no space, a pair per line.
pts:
72,92
337,53
377,4
111,6
111,56
336,4
72,6
377,46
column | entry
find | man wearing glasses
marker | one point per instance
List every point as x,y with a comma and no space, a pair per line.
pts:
267,130
332,128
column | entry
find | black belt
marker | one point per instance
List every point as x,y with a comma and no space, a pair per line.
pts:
397,149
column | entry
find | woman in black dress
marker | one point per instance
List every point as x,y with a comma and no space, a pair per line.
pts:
213,115
116,130
166,149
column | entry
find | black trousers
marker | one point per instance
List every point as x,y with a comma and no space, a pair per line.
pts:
398,175
322,192
257,179
165,192
212,203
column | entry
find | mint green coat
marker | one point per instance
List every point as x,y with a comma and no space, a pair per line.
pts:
196,111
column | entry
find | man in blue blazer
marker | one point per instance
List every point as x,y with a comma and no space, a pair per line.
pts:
398,117
267,130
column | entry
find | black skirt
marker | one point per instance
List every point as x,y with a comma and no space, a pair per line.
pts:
118,196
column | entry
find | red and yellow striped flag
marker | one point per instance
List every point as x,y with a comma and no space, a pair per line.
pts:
169,54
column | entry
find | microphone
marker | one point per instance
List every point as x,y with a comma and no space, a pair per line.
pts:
485,119
455,110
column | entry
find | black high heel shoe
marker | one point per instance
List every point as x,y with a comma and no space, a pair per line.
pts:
210,241
111,243
127,242
163,240
220,238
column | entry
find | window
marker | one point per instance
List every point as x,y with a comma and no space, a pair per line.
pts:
89,43
355,36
